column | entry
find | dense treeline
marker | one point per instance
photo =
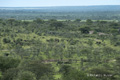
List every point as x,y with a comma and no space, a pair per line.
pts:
59,50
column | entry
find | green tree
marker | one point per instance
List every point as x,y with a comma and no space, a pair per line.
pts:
8,62
57,25
39,68
89,21
38,20
85,30
11,73
77,20
52,20
6,40
25,75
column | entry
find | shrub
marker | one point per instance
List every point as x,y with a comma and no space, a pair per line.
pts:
26,75
8,62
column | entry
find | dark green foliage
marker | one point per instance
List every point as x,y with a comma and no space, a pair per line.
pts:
57,25
39,68
29,70
114,24
117,44
26,75
89,21
10,21
52,20
18,41
6,40
65,69
77,20
10,74
103,22
8,62
38,20
85,30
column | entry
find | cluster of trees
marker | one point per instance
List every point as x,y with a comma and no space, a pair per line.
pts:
39,49
15,69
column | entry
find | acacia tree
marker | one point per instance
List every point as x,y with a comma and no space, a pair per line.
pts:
89,21
56,24
85,30
38,20
77,20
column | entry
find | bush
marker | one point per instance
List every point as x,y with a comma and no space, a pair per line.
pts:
6,40
38,68
25,75
117,43
10,74
85,30
8,62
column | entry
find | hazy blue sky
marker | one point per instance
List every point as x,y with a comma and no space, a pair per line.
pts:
37,3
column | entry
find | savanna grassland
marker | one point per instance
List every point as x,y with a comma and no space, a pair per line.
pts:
59,49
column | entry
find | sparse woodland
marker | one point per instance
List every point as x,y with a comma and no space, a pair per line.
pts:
59,50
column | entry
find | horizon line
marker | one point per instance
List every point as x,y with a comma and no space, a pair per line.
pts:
59,6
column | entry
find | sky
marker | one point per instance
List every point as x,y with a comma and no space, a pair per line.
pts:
40,3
